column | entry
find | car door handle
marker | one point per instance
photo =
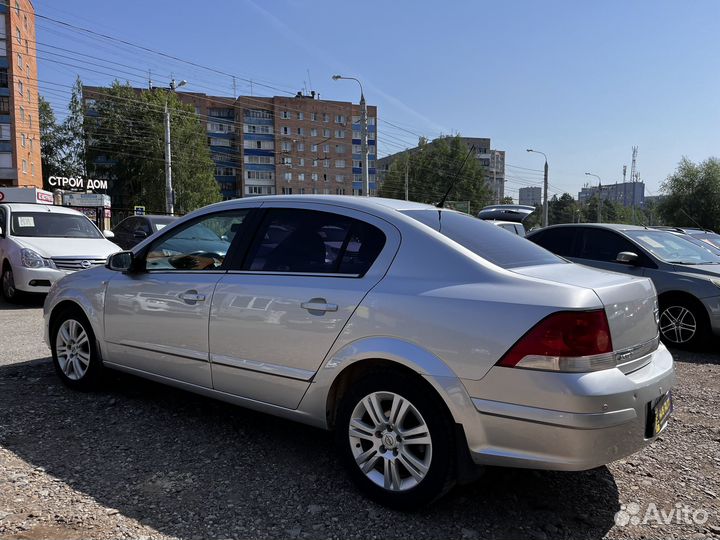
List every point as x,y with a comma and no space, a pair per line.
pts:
318,304
192,296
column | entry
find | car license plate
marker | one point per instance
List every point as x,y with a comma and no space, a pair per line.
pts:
660,413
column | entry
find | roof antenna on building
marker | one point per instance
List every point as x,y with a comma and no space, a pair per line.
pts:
149,79
441,204
234,87
309,79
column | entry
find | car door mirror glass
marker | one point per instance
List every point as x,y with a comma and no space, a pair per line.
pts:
628,257
121,261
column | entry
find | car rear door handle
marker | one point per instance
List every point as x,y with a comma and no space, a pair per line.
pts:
192,297
318,304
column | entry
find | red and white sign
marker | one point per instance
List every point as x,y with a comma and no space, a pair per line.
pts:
26,195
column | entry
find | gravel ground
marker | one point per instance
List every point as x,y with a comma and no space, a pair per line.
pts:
139,460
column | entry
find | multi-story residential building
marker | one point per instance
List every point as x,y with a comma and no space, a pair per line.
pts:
624,193
530,195
492,162
283,145
20,162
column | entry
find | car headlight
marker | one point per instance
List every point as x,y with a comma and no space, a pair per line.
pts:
32,259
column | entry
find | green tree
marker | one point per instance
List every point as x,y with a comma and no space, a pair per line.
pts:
52,141
562,209
692,195
507,200
73,134
432,167
126,146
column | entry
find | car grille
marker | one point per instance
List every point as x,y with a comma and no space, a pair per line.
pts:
67,263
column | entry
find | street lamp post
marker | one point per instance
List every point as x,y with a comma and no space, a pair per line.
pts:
363,132
169,192
599,212
545,188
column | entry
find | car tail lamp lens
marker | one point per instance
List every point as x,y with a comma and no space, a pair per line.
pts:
568,341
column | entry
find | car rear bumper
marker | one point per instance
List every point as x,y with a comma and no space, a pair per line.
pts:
36,280
565,421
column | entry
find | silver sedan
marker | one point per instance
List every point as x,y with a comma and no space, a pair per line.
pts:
432,343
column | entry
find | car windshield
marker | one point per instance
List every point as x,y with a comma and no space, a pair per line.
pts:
159,223
709,238
672,248
488,241
53,225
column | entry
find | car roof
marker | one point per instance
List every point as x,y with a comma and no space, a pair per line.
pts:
612,226
29,207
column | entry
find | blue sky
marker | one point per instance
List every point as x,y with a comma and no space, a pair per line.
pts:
581,81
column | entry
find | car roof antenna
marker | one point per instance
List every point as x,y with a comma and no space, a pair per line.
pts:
441,204
691,219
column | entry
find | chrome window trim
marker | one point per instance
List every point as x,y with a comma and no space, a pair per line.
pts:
299,274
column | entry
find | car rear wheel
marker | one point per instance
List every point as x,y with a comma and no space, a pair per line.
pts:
683,323
74,350
397,441
9,291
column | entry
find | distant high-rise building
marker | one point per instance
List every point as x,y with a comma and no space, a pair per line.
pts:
491,161
624,193
530,195
20,162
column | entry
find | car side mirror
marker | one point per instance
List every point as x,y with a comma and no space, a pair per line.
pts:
1,231
139,235
628,257
108,234
121,261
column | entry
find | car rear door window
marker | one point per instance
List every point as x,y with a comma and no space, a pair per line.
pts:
308,241
559,241
602,245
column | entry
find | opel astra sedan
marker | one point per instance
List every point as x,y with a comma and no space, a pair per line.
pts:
431,342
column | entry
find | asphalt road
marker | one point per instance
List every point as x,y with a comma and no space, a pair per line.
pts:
139,460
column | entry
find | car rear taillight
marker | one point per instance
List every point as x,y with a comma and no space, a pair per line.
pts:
569,341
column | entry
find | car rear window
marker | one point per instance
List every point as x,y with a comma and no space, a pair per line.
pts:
488,241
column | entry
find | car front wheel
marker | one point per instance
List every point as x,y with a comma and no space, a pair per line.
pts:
74,350
9,291
397,441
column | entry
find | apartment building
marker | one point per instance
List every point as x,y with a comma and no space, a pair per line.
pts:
530,195
20,162
492,162
282,145
625,193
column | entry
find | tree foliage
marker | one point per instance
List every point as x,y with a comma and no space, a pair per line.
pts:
126,146
52,140
693,195
431,168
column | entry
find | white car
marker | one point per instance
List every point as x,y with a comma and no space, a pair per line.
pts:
507,216
40,244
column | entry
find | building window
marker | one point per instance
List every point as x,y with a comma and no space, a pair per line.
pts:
287,191
301,177
285,130
339,119
259,175
286,146
4,132
301,131
313,117
258,113
339,163
5,160
326,117
17,8
302,191
301,162
340,191
314,177
326,191
4,105
326,148
327,133
23,140
287,176
3,47
17,35
20,61
300,147
264,160
32,169
313,132
326,163
3,78
314,162
313,147
339,133
339,148
24,166
214,141
339,177
286,115
21,88
301,116
286,161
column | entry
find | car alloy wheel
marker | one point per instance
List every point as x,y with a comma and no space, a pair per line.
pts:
8,284
72,346
390,441
678,324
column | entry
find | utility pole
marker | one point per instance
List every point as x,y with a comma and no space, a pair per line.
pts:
497,188
599,195
364,143
545,188
407,172
169,192
633,178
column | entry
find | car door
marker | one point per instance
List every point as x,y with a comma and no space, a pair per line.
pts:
599,247
123,233
156,319
276,314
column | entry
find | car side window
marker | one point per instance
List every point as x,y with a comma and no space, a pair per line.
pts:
602,245
307,241
125,226
2,222
201,244
559,241
142,225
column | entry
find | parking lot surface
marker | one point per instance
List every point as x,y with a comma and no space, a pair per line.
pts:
140,460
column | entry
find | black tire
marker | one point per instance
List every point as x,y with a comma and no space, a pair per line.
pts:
410,494
694,332
9,291
86,380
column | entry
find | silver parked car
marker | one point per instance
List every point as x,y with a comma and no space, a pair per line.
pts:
686,274
430,341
